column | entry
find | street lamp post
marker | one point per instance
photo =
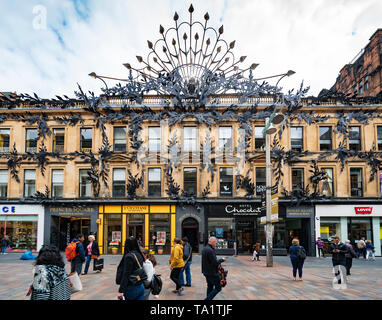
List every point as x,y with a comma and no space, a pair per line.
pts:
268,130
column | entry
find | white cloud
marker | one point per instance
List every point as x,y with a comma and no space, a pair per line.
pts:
313,38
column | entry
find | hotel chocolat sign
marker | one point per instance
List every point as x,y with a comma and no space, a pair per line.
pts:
242,209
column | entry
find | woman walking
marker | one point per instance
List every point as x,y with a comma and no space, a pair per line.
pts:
91,252
369,250
176,264
132,261
148,266
50,280
349,257
297,257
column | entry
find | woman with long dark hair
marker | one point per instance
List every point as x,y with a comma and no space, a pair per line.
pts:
50,280
131,261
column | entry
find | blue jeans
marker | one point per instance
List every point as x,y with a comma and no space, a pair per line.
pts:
76,267
213,286
4,249
135,292
87,263
187,269
297,264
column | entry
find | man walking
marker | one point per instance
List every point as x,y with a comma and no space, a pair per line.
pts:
361,245
320,247
349,257
76,263
338,251
187,257
210,268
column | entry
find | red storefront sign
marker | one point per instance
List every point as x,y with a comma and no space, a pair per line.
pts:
363,210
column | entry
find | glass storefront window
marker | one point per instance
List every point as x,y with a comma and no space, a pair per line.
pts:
223,230
21,231
113,233
279,234
329,228
358,228
160,233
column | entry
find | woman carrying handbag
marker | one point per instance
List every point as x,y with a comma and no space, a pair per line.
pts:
91,252
130,273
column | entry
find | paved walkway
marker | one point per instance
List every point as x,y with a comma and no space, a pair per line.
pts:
247,280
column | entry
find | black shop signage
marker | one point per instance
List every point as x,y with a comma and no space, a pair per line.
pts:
71,211
299,212
233,209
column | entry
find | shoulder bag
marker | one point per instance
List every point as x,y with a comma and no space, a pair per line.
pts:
139,276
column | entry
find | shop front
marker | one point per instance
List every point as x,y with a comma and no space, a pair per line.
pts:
152,225
24,226
300,224
237,227
63,223
190,224
349,222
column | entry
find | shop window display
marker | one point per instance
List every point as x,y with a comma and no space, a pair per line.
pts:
329,228
223,230
160,233
21,231
113,233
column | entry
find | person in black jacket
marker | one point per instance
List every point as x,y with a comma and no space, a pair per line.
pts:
210,268
338,251
130,264
76,263
91,252
187,257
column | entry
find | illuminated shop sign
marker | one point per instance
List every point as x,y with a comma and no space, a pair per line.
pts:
363,210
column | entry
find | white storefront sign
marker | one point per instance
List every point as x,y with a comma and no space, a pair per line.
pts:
27,210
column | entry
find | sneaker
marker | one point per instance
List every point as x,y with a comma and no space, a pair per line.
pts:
174,291
294,279
180,293
300,279
83,273
188,285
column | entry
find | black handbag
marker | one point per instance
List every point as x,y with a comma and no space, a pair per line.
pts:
139,276
98,264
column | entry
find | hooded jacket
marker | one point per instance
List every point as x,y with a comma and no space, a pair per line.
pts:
177,257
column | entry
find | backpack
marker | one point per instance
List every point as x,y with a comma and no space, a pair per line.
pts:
70,251
156,284
300,254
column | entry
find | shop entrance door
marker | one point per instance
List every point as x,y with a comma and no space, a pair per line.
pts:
245,232
136,231
63,230
300,229
190,229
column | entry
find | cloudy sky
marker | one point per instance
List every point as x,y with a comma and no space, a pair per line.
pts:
48,46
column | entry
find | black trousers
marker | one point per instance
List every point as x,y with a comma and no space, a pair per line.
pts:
174,276
322,252
349,263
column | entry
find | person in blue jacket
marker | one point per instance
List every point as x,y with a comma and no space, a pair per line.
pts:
297,261
77,262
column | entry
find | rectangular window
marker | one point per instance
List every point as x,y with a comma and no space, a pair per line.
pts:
29,183
325,138
226,182
85,184
190,180
189,139
366,83
356,189
57,183
296,136
224,230
58,140
119,139
86,139
360,87
225,138
21,230
160,233
3,183
297,179
379,137
260,181
154,182
4,140
154,139
355,138
119,182
31,140
327,184
259,138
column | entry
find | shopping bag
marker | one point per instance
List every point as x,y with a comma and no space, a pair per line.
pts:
75,282
98,265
